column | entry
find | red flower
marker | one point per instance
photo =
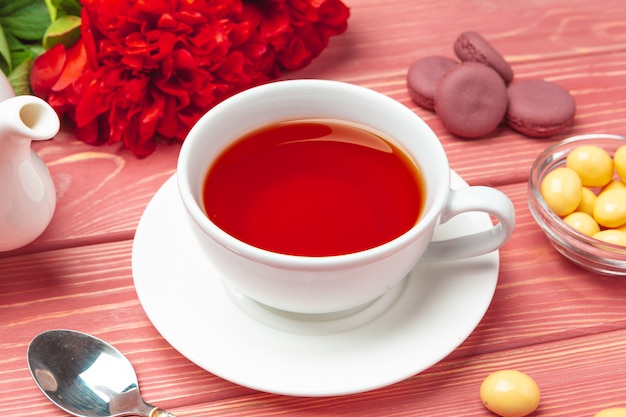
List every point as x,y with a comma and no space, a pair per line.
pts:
145,69
60,75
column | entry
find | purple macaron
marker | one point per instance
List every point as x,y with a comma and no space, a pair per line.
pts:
472,47
471,100
539,108
423,78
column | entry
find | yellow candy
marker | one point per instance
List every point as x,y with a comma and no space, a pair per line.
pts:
619,158
587,201
582,222
592,163
614,184
510,393
561,189
614,236
612,412
609,209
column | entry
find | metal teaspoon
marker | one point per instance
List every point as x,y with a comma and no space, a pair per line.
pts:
86,377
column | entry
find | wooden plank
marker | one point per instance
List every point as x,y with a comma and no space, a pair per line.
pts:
101,191
89,289
576,377
541,296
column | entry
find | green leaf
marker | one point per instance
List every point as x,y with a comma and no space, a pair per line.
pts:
28,22
52,10
5,52
21,52
7,8
23,25
70,7
20,78
65,30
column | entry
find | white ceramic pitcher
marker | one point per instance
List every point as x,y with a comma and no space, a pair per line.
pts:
27,193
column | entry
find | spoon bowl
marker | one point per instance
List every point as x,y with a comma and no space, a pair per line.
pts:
86,377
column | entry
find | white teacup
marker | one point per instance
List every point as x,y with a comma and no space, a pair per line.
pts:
327,284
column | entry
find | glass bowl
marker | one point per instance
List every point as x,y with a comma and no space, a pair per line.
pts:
585,251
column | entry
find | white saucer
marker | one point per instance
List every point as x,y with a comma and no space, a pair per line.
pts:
403,333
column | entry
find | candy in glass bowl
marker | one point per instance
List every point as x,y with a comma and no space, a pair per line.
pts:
565,199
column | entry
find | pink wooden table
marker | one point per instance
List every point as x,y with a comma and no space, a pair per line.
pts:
562,325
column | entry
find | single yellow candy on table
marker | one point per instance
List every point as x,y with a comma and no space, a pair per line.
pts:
587,201
592,163
582,222
612,412
510,393
561,189
614,236
619,159
609,210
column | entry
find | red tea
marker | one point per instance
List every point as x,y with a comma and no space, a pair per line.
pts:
313,188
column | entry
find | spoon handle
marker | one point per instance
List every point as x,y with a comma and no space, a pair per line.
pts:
157,412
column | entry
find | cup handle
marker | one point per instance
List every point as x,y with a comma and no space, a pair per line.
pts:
475,198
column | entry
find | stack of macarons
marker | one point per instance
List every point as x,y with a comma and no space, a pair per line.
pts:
474,96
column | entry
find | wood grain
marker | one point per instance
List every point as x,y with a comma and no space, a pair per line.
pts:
451,388
564,326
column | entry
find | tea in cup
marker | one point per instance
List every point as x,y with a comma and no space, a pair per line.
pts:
313,187
316,196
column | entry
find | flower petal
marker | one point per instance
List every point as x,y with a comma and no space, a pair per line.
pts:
47,69
74,66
